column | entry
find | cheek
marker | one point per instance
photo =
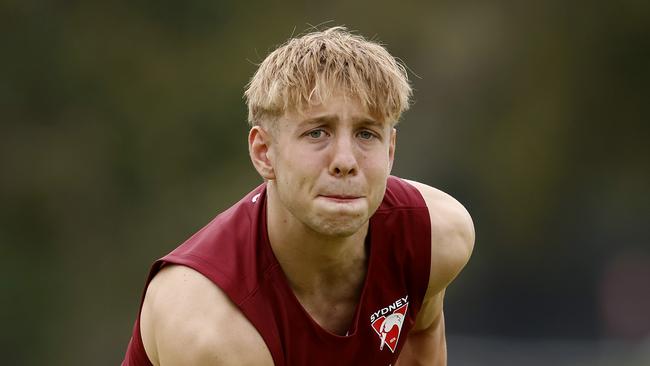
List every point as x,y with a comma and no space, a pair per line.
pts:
377,165
377,170
293,171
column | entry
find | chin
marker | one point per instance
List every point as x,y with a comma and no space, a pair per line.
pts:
340,227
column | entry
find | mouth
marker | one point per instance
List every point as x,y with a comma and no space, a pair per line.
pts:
340,197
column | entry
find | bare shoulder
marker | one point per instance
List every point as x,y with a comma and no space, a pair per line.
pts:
187,320
452,236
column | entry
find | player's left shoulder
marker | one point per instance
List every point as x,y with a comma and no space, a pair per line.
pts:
452,234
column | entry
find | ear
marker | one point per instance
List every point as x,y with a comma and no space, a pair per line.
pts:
259,144
391,148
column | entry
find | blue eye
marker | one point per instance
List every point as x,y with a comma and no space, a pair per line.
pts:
366,135
315,134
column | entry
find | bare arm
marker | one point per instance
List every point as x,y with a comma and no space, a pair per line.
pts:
427,346
187,320
452,244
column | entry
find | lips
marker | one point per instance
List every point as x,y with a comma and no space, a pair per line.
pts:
340,196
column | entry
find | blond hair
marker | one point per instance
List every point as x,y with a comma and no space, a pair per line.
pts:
307,70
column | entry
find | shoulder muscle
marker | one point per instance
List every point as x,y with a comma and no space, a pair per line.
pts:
452,236
187,320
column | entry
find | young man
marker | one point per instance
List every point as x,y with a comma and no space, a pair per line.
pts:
331,261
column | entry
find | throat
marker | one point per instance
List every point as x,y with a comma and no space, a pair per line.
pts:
333,309
330,293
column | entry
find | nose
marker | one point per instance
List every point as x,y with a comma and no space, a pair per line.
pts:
344,161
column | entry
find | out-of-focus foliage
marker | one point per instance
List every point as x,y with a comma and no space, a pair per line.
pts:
123,131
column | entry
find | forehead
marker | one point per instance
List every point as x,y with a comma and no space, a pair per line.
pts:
336,108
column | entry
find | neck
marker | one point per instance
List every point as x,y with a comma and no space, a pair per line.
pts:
313,262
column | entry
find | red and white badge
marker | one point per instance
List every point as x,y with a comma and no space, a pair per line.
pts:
388,321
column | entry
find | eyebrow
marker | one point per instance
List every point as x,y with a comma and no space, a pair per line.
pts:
318,120
369,121
333,118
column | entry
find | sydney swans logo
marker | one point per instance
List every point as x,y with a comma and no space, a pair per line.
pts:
387,322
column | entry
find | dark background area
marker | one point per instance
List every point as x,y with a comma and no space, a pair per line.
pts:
123,131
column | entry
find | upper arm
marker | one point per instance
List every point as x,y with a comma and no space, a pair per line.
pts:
452,242
187,320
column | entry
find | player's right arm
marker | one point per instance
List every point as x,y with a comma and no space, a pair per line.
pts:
187,320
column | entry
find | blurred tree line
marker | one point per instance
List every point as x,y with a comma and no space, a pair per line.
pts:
123,131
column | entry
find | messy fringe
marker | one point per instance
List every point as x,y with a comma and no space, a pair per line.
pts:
305,71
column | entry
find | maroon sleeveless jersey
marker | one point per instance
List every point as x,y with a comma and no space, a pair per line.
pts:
234,252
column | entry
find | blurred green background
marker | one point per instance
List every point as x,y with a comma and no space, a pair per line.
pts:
123,131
